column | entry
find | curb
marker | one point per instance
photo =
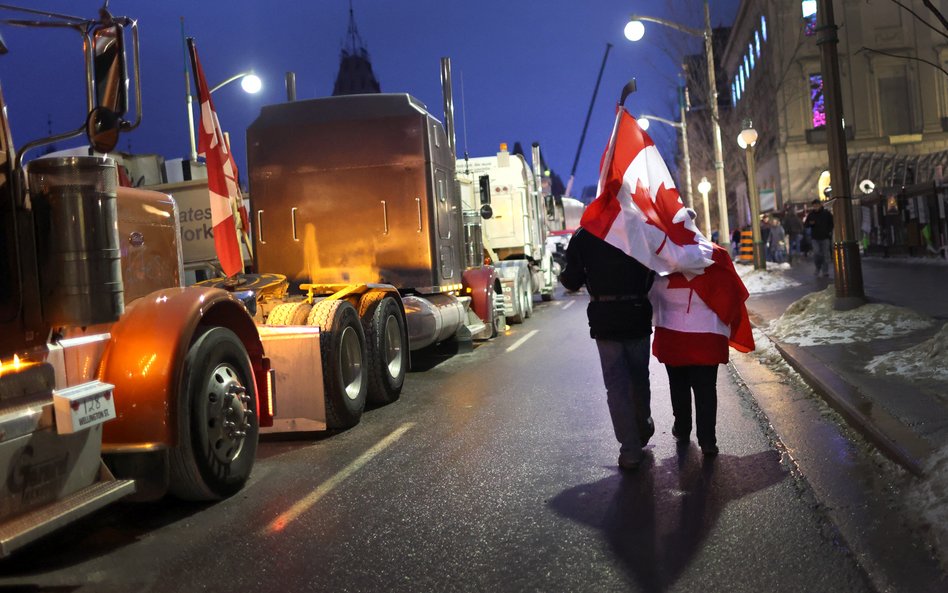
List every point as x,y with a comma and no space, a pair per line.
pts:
880,428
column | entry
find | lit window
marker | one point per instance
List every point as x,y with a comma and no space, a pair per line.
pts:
757,43
763,27
817,106
747,66
809,17
733,94
741,79
750,53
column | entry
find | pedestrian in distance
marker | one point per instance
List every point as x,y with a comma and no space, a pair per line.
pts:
793,227
777,248
820,223
620,320
692,338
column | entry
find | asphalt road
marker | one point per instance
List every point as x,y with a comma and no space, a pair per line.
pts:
495,471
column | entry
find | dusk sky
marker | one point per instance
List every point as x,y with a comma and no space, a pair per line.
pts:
528,67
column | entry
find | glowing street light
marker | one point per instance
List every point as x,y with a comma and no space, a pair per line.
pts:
746,140
704,186
249,82
634,31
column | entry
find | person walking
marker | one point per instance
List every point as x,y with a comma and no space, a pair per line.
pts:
777,248
793,227
620,320
820,223
692,339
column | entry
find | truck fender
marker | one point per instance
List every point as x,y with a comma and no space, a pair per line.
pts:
145,356
479,284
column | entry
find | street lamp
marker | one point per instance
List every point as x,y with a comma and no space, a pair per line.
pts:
704,186
746,140
249,82
634,31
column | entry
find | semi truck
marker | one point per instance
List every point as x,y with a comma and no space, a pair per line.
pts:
516,232
114,379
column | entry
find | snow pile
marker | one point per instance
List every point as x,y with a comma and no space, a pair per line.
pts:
928,497
769,280
812,321
928,360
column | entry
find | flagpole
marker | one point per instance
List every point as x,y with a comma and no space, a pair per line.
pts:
187,91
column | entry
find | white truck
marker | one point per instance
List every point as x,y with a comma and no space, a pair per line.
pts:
516,231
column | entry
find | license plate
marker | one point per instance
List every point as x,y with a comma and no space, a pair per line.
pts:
83,406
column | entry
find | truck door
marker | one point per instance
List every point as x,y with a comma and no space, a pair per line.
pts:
446,213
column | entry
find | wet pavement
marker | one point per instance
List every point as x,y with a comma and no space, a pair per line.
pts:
907,421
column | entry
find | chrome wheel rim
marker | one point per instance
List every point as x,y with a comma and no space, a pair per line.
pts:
351,363
228,413
392,347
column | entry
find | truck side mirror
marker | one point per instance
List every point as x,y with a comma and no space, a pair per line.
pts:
484,183
111,77
102,129
486,212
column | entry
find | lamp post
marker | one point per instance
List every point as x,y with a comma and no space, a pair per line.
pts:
634,31
846,263
746,140
249,81
704,186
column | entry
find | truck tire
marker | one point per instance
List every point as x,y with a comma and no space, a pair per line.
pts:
386,345
289,314
342,347
520,305
499,318
217,424
528,296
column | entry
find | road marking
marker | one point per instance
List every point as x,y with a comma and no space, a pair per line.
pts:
520,342
568,305
326,487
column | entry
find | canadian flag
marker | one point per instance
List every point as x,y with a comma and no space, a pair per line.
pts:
639,210
226,201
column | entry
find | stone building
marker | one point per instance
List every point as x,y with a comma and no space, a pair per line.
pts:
894,80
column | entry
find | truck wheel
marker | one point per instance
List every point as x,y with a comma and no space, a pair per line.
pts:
386,345
528,297
217,424
342,346
289,314
499,319
520,305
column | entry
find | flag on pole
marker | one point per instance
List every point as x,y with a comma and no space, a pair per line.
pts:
226,202
639,211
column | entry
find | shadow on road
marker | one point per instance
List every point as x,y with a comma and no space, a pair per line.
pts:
656,519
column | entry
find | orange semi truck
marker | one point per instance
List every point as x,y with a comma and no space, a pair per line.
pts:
103,354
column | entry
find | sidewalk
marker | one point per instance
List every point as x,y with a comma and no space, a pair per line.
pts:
906,420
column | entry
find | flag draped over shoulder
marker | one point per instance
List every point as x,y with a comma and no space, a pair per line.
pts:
639,211
226,202
638,208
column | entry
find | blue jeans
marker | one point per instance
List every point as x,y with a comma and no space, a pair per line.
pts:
821,255
625,374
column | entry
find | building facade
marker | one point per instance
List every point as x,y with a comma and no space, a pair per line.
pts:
894,80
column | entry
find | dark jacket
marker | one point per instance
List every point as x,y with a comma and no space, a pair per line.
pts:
820,223
622,283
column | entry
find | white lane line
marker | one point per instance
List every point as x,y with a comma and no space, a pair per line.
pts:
326,487
520,342
568,305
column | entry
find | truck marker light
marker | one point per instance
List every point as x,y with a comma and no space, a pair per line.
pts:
304,504
270,380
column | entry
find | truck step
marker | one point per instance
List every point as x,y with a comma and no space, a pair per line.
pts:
28,527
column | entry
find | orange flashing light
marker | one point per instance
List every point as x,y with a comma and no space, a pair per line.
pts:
503,147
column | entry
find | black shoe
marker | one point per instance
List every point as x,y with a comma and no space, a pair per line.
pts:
630,462
648,431
709,450
681,436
